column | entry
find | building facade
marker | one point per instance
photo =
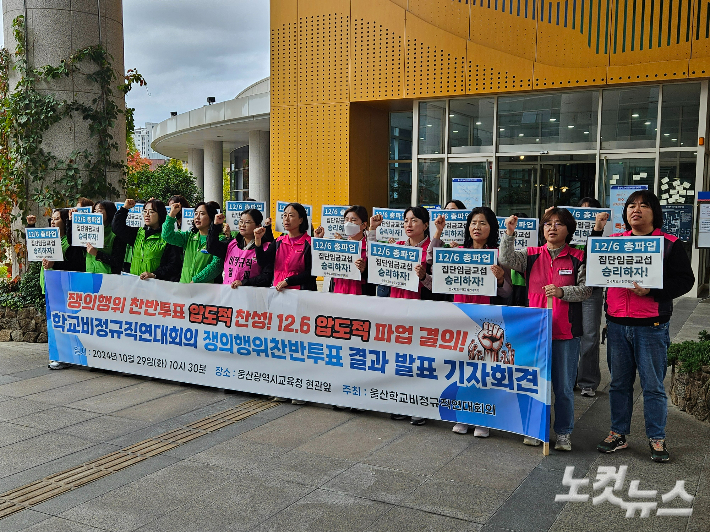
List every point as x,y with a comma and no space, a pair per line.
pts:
390,102
143,137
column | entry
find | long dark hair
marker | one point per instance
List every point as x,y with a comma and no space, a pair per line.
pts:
109,207
420,213
211,212
459,204
493,236
650,199
301,210
64,215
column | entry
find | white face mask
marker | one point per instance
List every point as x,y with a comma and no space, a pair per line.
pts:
351,229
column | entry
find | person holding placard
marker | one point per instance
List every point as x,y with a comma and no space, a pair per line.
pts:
455,205
555,270
239,254
198,265
152,257
109,258
637,323
354,228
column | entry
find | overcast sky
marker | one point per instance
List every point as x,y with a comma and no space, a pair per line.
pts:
188,50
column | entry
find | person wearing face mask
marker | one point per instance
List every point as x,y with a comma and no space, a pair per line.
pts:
555,270
198,265
354,228
240,265
152,257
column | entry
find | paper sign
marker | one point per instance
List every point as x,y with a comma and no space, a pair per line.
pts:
188,216
469,190
643,174
665,180
455,224
392,225
85,209
332,220
664,187
464,271
393,265
87,229
135,214
234,210
335,258
525,232
586,218
281,207
44,243
621,261
618,196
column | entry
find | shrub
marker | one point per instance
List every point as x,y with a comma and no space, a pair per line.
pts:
23,292
167,180
691,355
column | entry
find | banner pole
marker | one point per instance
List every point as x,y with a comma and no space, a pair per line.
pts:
546,445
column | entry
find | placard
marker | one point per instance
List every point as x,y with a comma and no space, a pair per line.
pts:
188,216
469,190
678,221
621,261
281,207
618,196
392,225
464,271
87,229
135,214
335,258
586,218
704,219
85,209
526,232
43,243
455,224
332,220
393,265
234,210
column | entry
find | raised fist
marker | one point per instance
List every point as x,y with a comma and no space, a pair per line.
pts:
491,339
129,204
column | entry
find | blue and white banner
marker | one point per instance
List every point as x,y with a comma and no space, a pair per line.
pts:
335,258
464,271
455,224
87,229
586,217
188,216
234,210
392,225
85,209
469,190
281,207
44,243
525,232
477,364
623,261
393,265
618,196
135,214
332,220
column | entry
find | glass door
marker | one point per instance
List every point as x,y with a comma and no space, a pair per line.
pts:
469,181
518,185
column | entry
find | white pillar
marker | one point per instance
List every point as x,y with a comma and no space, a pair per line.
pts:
259,181
213,171
196,165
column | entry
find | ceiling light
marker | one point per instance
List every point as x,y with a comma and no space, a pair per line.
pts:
522,157
455,131
647,123
452,116
520,135
502,129
429,125
570,127
674,140
635,115
586,132
421,138
478,123
537,140
666,134
553,119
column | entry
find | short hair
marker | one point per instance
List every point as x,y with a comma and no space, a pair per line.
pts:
650,199
359,211
459,204
565,217
84,202
302,214
255,215
592,202
493,237
109,207
420,213
159,207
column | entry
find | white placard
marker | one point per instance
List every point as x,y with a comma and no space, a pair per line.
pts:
525,232
393,265
281,207
704,225
85,209
332,220
135,214
464,271
455,224
43,243
621,261
392,225
469,190
188,216
234,210
87,229
586,218
335,258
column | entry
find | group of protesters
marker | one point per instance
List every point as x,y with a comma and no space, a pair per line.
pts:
637,318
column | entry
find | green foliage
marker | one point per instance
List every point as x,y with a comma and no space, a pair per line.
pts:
165,181
691,355
25,292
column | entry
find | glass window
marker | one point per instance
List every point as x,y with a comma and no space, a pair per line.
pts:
432,117
464,184
677,176
629,118
429,181
568,118
517,186
679,115
401,136
624,172
400,185
471,125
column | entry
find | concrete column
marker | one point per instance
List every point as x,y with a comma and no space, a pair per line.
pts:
213,171
196,165
259,158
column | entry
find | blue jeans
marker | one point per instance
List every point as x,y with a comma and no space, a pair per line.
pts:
565,354
642,348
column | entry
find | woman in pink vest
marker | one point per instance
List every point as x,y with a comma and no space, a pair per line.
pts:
239,254
555,270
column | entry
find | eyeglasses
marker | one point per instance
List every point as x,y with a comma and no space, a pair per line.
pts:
245,222
550,225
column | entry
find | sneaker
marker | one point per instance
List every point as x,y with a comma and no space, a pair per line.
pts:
613,442
279,399
398,417
534,442
460,428
481,432
588,392
297,402
418,421
659,452
58,365
563,442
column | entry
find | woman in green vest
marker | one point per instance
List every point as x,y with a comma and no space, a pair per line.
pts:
152,257
109,258
198,265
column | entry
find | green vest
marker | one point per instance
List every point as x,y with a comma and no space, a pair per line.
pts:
65,247
195,260
93,265
147,252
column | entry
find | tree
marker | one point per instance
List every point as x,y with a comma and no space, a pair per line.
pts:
167,180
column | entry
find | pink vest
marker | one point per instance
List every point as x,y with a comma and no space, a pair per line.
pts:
350,286
240,264
400,293
290,257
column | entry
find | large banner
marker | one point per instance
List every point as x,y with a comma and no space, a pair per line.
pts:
478,364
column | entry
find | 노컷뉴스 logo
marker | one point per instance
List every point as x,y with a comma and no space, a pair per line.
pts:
609,480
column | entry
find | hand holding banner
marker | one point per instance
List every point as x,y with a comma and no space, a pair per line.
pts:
455,224
135,214
392,225
188,216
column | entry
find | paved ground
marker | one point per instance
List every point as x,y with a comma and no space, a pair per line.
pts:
313,468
